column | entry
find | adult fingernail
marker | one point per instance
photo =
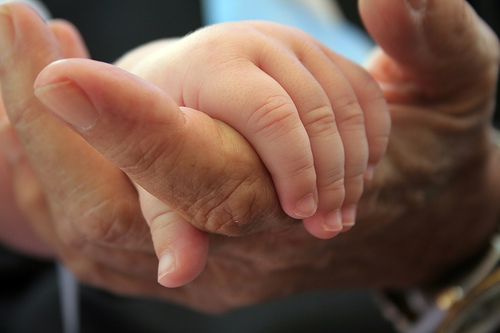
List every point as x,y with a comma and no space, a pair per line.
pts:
166,265
417,4
333,221
306,207
69,103
9,143
6,32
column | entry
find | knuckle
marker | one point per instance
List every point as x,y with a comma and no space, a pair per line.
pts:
223,217
70,238
233,295
88,273
274,117
353,120
349,114
31,199
139,158
107,222
303,169
319,121
334,188
23,110
98,276
332,178
232,210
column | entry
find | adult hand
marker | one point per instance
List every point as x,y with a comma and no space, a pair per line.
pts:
85,207
104,239
434,200
280,88
431,204
166,147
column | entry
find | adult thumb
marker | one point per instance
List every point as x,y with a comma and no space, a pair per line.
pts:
439,43
200,167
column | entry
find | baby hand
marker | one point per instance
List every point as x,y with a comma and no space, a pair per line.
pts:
318,121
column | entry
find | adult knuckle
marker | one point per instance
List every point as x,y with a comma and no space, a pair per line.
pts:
70,238
233,295
23,110
225,216
87,276
138,158
92,274
232,211
107,222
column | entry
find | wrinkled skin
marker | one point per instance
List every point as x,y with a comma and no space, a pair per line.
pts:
432,203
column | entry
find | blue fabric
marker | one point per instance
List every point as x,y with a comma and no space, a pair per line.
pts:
337,34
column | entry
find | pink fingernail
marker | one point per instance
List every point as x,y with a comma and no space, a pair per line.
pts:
7,32
166,265
333,221
417,4
369,173
349,217
9,142
306,207
69,103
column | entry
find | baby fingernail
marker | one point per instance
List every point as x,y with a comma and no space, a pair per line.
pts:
369,173
69,103
333,221
349,217
166,265
306,207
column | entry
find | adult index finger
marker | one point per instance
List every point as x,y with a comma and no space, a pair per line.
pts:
83,189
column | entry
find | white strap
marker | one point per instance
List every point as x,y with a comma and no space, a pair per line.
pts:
69,300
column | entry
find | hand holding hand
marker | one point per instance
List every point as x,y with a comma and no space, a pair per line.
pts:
432,203
315,119
82,215
90,91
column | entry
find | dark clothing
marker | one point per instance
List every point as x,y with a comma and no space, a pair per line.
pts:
29,304
28,288
112,27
